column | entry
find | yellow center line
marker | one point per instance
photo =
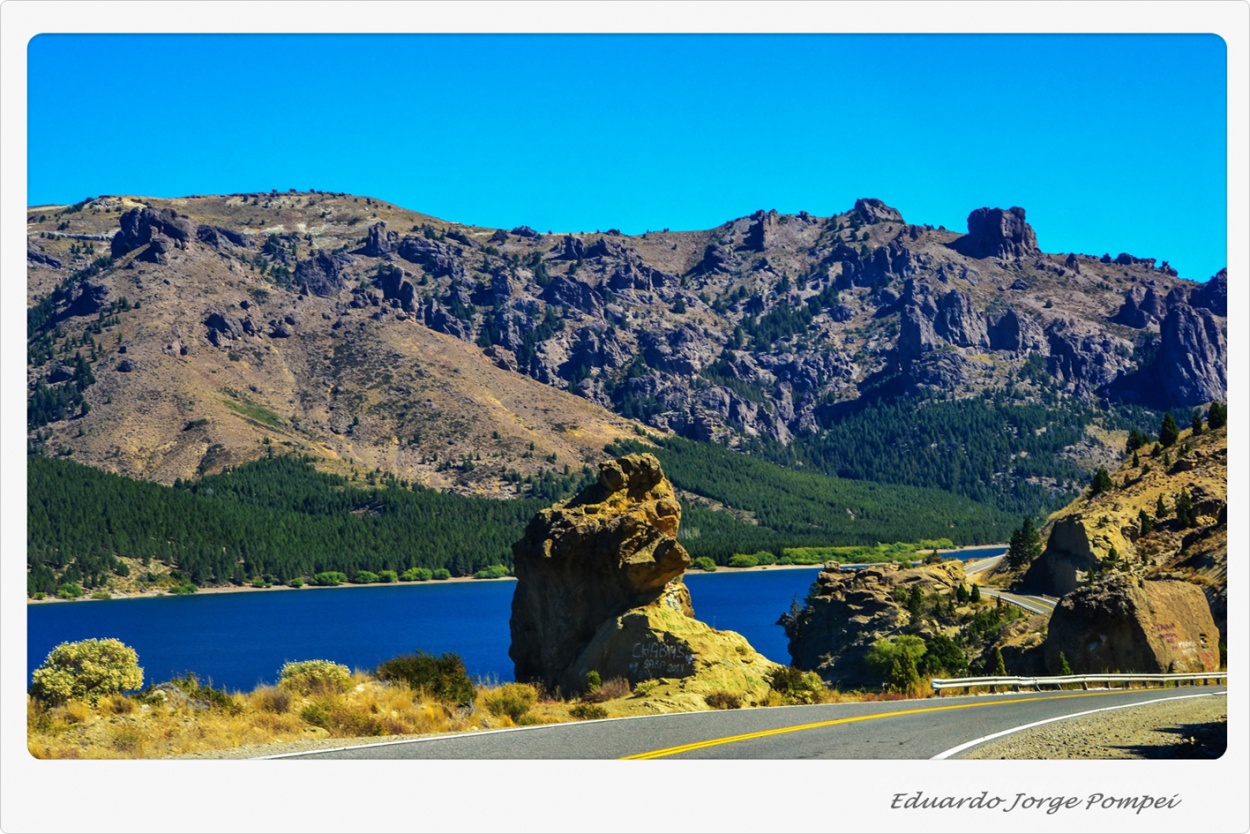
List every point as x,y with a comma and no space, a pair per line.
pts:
715,742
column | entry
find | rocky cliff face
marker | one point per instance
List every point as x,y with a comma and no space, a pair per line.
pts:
1122,626
762,327
848,610
599,588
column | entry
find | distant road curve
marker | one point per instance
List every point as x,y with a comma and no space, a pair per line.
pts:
1030,603
916,729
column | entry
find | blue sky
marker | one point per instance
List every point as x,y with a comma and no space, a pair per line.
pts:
1111,143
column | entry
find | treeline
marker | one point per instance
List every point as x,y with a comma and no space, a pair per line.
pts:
796,509
995,452
276,519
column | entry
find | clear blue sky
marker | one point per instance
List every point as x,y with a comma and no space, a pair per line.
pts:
1111,143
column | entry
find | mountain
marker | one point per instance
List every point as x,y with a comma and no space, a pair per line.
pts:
170,338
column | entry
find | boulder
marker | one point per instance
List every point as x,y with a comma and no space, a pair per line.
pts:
40,258
322,274
139,224
222,326
995,232
1124,626
379,242
599,588
762,231
1073,552
1213,295
525,231
216,237
872,211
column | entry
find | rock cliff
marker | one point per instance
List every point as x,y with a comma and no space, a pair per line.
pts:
599,589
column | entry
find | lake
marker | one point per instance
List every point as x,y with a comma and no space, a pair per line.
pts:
240,640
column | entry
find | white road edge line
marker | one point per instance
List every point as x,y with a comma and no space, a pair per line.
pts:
962,747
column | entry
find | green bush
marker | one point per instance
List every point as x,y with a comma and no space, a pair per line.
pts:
765,557
512,699
297,582
704,563
69,590
588,712
388,576
442,573
87,670
593,680
884,654
319,677
492,572
365,577
417,575
795,686
185,589
329,578
742,560
443,678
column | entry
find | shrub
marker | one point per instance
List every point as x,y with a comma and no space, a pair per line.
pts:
492,572
721,699
319,677
883,655
365,577
417,575
297,582
795,686
1217,415
329,578
87,670
512,699
608,690
387,576
185,589
443,678
765,557
705,563
593,681
442,573
219,699
272,699
742,560
69,590
588,712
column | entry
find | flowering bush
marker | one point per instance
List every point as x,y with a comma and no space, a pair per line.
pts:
87,670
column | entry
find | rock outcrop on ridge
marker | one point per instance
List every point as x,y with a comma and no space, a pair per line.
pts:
1118,625
599,589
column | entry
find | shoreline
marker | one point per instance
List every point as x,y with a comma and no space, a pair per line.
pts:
246,589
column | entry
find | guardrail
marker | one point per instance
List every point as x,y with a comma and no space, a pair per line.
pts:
1060,681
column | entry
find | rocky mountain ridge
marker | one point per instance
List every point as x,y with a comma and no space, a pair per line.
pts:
307,318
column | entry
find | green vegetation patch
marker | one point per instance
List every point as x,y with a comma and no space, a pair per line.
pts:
255,412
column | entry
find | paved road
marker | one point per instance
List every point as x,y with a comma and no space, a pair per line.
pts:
918,729
981,565
1030,603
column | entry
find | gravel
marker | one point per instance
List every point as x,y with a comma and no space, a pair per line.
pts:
1195,728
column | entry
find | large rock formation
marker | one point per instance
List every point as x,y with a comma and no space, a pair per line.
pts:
848,610
998,233
1074,552
140,225
599,588
1125,626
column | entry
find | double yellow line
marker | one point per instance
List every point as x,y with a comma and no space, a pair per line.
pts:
715,742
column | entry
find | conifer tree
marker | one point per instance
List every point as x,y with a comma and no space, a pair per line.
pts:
1101,482
1196,422
1169,431
1000,668
1217,415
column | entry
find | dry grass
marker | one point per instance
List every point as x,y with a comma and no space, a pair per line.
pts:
137,727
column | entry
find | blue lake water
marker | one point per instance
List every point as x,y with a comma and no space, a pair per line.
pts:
241,640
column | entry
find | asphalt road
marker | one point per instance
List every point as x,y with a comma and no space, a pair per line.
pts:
1030,603
917,729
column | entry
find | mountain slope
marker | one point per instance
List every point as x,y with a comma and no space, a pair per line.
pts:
373,337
